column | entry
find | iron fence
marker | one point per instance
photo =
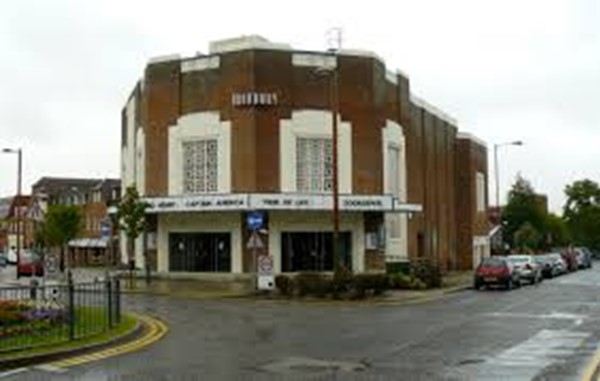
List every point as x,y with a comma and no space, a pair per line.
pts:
50,314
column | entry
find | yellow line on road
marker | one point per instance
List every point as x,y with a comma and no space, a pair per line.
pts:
156,329
591,367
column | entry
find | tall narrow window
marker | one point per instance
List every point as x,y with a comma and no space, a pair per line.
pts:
314,165
200,166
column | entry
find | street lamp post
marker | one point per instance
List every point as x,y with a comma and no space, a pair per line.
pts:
496,171
19,153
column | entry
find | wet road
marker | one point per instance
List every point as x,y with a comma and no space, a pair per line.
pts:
544,332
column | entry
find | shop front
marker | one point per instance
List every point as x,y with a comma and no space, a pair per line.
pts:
209,234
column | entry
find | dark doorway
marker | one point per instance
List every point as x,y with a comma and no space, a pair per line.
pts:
200,252
312,251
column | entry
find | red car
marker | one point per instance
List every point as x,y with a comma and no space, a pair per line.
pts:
30,264
497,271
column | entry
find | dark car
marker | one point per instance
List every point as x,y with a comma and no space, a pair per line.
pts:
546,264
496,271
584,258
30,264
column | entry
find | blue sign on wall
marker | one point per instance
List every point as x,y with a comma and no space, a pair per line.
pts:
255,220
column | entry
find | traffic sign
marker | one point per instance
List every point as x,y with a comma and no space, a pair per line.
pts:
255,242
255,220
105,228
265,265
51,270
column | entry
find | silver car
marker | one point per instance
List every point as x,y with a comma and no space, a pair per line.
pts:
527,266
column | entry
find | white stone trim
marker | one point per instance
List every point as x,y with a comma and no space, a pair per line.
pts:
313,123
244,43
316,222
432,109
201,125
391,77
393,135
164,58
199,222
140,161
320,60
128,163
473,138
200,63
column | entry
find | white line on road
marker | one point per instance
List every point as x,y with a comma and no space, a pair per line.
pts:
526,359
13,372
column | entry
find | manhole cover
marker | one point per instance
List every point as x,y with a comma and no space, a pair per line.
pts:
309,365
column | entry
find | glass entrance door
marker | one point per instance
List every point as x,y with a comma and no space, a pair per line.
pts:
313,251
200,252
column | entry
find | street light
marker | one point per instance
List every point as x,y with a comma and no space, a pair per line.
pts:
19,154
496,172
332,73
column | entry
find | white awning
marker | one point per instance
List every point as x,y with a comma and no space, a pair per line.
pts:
279,201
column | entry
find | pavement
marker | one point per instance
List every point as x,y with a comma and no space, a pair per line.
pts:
549,331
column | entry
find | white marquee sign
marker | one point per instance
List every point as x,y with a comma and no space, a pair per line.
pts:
278,201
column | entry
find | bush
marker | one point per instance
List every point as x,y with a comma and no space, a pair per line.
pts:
427,271
313,284
417,284
342,282
285,285
400,281
376,284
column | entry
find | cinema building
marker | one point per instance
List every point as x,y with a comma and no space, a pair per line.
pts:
248,127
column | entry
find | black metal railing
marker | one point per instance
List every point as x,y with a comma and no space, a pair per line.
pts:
50,314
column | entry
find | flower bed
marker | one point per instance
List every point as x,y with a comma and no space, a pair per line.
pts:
23,317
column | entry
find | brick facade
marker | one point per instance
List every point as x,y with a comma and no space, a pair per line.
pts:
440,168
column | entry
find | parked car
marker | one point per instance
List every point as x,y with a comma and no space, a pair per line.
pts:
558,263
30,264
584,258
546,264
496,271
526,265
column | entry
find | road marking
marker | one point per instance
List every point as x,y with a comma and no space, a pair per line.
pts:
592,366
156,330
13,372
553,315
526,359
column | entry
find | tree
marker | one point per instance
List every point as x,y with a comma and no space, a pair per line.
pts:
62,224
523,207
557,231
582,212
527,238
131,214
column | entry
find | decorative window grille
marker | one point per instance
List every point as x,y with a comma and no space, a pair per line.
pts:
314,165
200,173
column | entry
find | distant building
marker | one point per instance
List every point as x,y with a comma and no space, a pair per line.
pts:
209,138
93,197
13,214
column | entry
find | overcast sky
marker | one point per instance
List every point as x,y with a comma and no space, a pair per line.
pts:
506,69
